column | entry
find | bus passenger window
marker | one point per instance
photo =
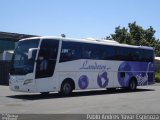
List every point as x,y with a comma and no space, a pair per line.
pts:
70,51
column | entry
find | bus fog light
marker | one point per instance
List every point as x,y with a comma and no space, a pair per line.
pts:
28,81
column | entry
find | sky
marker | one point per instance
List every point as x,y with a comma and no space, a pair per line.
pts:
77,18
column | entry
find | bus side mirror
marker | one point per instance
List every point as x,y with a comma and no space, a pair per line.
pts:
30,52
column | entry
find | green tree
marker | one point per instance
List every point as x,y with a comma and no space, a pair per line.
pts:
136,32
121,35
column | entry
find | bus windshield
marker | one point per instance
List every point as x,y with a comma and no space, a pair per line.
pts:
21,65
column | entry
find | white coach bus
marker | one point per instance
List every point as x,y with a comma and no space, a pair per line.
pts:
52,64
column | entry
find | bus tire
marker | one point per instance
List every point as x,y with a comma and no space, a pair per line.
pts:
132,84
66,88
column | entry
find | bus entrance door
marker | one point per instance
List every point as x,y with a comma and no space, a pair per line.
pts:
45,67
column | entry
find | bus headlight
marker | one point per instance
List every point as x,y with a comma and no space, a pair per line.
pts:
28,81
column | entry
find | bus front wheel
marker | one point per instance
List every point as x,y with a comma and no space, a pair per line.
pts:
66,88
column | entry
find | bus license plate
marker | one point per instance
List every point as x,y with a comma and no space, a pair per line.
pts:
16,87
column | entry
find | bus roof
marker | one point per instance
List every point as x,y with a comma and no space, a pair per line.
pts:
92,41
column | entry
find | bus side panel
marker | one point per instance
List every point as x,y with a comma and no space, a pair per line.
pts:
82,80
94,74
88,74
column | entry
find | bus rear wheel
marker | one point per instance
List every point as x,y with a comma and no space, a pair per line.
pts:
132,85
66,88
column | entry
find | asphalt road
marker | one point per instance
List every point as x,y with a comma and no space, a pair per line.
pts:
144,100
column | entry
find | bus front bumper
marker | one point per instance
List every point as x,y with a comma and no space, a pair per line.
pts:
21,86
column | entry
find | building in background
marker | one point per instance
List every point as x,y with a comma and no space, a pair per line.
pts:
8,41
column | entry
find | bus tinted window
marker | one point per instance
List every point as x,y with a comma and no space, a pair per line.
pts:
90,51
134,54
74,51
127,54
50,47
70,51
107,52
143,55
47,58
149,56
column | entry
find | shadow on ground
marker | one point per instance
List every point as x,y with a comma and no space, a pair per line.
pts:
75,94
